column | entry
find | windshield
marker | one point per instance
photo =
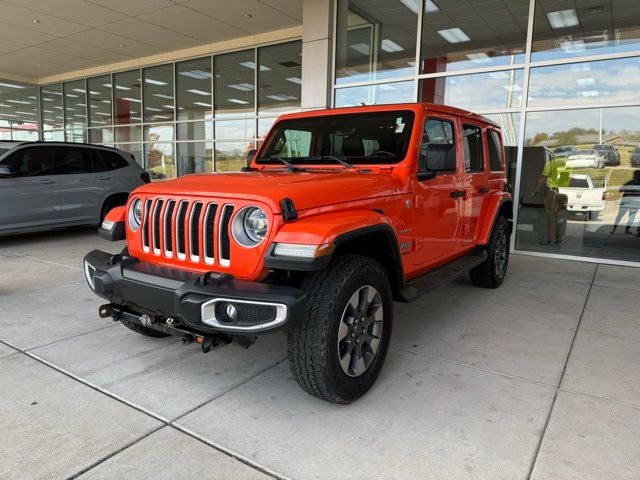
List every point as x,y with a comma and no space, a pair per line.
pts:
361,138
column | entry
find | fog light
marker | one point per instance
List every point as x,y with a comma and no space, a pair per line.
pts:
89,272
231,311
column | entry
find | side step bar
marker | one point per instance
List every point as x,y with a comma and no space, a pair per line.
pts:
437,277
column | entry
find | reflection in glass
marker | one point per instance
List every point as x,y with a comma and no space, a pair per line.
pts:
99,100
195,157
567,205
235,84
129,133
159,160
75,107
235,129
376,39
462,35
195,131
480,91
101,135
264,125
77,135
279,82
560,30
159,133
589,82
51,106
158,93
397,92
128,101
231,156
194,89
25,135
53,136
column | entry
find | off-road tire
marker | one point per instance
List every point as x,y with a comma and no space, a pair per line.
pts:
491,273
313,345
142,330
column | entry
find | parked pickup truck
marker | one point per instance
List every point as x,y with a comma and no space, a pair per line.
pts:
339,213
585,195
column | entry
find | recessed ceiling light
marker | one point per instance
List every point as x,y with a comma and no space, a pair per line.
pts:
252,65
37,65
35,20
248,15
199,92
454,35
10,85
390,46
294,80
563,18
154,82
121,45
235,100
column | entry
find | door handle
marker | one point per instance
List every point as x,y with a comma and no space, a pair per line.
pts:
456,193
46,182
484,189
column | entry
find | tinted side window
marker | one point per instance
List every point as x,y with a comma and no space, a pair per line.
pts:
473,159
112,160
31,162
439,132
495,151
97,165
72,161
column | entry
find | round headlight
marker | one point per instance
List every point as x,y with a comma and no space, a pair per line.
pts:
135,214
255,224
250,226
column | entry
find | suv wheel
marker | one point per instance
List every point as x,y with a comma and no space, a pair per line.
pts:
491,272
338,350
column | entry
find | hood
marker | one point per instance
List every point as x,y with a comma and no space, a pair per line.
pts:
307,189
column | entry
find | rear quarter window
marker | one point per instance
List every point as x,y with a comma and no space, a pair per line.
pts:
495,151
112,160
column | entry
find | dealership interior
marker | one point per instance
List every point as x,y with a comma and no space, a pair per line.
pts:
190,86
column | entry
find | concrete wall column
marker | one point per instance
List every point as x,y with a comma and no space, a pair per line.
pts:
317,53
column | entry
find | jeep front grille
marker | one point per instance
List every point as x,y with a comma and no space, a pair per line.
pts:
193,231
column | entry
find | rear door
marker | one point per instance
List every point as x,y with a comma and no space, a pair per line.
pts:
80,192
474,181
30,198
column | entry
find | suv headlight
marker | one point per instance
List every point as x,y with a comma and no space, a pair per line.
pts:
250,226
135,214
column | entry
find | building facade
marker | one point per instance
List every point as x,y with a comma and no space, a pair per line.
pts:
561,77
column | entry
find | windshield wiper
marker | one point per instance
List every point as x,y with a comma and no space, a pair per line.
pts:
336,159
290,166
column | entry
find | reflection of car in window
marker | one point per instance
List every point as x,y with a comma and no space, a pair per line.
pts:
635,157
609,153
585,195
584,159
560,152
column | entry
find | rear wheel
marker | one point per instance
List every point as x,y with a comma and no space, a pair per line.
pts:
491,273
338,350
111,202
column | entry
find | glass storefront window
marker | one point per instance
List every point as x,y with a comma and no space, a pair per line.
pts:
195,157
459,35
101,135
376,39
279,82
127,97
583,83
231,156
159,160
195,131
580,184
25,135
51,106
99,100
18,105
75,108
568,29
129,133
133,148
235,129
235,84
264,125
194,89
53,136
158,93
77,135
159,133
480,91
396,92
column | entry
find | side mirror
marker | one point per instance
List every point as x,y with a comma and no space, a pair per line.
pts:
6,172
249,156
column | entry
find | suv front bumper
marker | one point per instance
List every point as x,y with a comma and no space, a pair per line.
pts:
202,302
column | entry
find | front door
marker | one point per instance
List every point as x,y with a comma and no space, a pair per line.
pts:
30,197
474,182
436,204
80,194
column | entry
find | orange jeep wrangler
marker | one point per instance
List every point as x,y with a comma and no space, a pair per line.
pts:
338,213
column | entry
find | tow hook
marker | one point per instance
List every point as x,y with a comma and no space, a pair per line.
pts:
107,311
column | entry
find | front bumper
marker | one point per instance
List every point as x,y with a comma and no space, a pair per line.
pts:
199,301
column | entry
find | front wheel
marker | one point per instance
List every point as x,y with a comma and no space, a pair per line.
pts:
491,273
338,350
